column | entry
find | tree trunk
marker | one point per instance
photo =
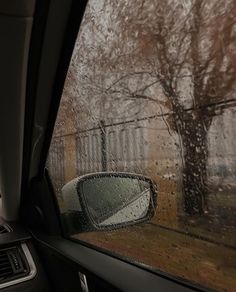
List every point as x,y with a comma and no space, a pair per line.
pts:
195,156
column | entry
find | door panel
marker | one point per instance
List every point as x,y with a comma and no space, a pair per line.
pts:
64,272
65,259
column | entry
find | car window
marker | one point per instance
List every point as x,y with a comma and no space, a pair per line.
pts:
151,90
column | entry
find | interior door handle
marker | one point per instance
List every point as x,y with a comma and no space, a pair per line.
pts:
83,282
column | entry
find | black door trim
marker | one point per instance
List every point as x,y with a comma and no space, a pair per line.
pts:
122,275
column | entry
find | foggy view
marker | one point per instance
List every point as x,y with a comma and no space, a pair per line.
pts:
151,89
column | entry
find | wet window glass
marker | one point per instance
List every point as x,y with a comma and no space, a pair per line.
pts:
151,90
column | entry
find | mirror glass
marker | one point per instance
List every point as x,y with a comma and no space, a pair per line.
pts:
112,200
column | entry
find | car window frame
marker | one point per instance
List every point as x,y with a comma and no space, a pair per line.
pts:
62,69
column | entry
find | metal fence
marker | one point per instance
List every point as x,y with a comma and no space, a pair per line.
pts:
106,147
110,148
55,161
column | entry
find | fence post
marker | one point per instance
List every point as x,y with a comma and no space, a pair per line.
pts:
103,145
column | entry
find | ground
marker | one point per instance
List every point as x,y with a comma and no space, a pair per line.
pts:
199,261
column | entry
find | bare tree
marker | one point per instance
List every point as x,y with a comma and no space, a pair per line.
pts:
184,48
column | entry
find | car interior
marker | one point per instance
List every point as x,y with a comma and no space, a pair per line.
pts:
37,40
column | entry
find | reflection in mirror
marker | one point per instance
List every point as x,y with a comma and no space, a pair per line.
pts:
115,200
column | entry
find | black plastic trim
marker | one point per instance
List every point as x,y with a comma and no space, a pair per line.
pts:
35,53
118,273
18,234
75,18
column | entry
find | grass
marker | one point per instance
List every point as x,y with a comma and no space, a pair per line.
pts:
202,262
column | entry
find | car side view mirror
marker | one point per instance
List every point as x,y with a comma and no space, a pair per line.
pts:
107,201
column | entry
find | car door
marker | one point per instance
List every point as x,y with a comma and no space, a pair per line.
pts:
146,88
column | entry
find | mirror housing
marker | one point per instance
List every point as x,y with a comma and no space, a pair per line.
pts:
107,201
